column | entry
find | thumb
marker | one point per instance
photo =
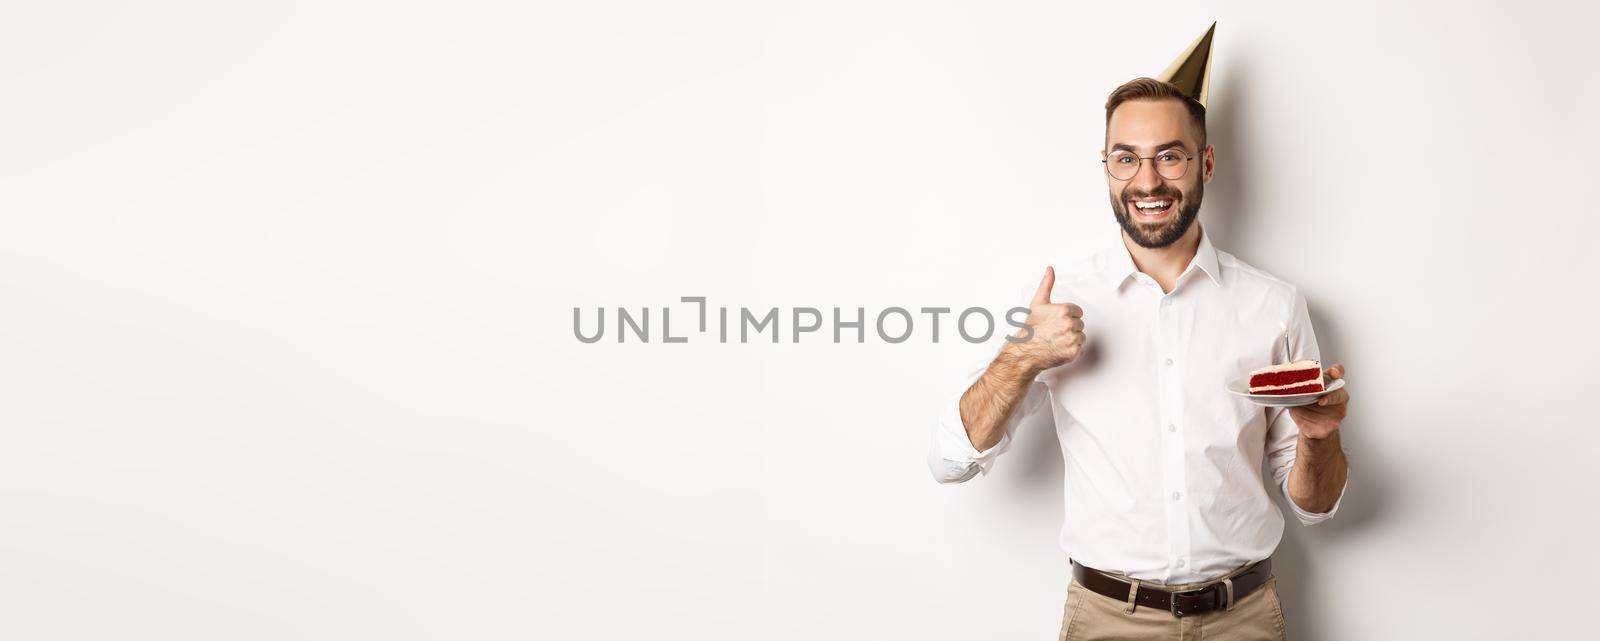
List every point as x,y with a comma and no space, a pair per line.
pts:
1042,296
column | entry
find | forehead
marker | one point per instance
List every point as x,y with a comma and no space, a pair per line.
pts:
1144,124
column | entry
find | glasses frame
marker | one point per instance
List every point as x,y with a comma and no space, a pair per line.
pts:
1187,160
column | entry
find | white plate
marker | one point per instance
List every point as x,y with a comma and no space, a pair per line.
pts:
1241,387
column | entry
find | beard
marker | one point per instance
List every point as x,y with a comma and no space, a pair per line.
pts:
1156,236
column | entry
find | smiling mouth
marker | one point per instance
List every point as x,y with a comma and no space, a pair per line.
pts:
1152,209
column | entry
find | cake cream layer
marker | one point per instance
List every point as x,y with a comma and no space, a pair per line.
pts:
1292,389
1286,367
1269,388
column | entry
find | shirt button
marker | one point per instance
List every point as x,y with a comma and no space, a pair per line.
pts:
1180,563
1171,427
1166,302
1177,495
1169,362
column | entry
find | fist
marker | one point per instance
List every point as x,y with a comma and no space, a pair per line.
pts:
1057,329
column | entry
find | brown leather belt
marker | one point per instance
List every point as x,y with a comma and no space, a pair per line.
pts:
1213,596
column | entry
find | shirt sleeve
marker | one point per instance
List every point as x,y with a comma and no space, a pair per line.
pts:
1283,435
952,457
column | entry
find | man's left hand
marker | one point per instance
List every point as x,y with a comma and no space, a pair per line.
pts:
1321,419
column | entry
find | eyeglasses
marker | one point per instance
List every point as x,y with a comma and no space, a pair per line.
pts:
1170,164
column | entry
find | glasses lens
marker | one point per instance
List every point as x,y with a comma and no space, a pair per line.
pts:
1171,164
1122,165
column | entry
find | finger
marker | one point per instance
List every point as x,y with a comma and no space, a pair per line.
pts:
1042,296
1334,398
1073,311
1337,371
1309,419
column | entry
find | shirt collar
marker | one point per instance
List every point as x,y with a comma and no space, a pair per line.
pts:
1119,261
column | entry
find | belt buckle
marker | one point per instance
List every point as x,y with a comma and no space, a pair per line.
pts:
1172,599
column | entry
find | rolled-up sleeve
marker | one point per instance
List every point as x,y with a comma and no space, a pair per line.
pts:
1283,435
952,457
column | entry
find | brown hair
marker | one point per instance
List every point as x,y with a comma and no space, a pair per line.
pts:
1152,89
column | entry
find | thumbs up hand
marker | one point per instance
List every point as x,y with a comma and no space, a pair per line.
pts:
1057,330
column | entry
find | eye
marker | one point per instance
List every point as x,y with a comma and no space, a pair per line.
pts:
1122,159
1167,156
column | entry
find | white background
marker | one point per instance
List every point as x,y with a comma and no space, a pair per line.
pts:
286,348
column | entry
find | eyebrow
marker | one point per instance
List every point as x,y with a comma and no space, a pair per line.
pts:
1166,145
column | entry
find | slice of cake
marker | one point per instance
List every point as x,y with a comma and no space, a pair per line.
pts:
1299,377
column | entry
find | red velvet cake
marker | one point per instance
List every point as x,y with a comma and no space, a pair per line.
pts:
1299,377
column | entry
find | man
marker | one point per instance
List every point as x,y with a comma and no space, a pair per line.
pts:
1168,524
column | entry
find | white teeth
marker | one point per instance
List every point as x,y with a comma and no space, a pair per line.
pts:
1153,205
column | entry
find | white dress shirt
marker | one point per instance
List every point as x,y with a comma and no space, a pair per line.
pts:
1162,465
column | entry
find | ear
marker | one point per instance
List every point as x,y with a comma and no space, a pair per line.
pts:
1209,160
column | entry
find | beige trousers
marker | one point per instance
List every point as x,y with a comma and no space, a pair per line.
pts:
1090,616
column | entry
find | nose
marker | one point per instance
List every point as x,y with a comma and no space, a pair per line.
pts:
1145,179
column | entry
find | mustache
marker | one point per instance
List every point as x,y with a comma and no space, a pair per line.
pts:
1166,192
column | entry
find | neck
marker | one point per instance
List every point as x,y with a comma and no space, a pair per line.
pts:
1165,264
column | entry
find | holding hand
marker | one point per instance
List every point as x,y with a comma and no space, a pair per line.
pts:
1321,420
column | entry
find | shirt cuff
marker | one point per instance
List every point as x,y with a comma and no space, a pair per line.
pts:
956,447
1312,518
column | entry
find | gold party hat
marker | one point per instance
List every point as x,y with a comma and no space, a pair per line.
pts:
1191,72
